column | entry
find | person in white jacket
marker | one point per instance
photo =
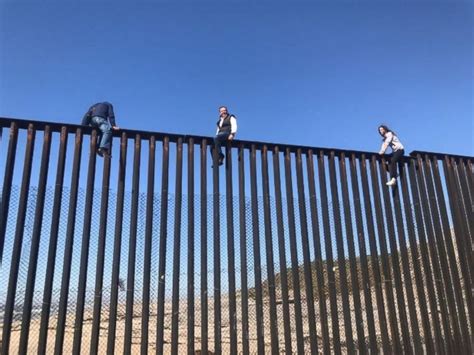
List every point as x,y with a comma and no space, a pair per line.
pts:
391,139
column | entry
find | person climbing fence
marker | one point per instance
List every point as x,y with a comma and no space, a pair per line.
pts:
391,139
101,115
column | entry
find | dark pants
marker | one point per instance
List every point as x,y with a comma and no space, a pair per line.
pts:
396,156
219,140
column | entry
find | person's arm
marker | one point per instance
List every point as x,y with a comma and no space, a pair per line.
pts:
233,127
86,120
386,142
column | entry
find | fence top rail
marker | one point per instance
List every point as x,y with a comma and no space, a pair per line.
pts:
441,155
5,122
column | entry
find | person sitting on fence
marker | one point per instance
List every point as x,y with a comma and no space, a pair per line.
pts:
226,130
391,139
101,115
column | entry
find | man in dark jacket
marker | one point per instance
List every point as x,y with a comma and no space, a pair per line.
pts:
101,116
226,130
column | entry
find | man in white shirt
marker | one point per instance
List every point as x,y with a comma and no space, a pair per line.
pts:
226,130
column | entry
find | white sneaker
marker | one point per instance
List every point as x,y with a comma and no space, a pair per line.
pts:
392,182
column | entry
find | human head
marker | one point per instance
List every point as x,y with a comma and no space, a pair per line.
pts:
383,129
222,111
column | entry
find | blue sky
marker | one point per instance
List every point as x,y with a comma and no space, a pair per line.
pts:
322,73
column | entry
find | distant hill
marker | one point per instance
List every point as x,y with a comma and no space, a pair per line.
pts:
317,284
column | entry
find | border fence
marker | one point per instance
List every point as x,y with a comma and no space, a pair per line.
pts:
284,248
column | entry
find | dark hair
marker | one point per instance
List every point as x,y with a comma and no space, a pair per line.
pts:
386,130
223,107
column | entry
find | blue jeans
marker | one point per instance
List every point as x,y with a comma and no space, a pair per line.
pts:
105,135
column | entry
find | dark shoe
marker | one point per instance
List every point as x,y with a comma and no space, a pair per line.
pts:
220,161
102,151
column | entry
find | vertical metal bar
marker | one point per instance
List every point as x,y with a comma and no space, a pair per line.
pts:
281,251
438,337
163,237
388,281
468,171
177,247
425,321
352,256
318,260
400,233
470,174
468,185
453,194
243,254
470,206
18,241
363,256
329,256
452,258
468,195
35,242
306,257
470,177
71,222
53,241
114,284
294,255
341,260
132,247
86,231
434,258
441,252
269,252
256,251
203,232
465,196
150,195
460,209
230,253
99,276
374,256
191,221
7,185
217,255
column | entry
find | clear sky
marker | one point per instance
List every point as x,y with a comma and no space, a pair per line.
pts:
321,73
